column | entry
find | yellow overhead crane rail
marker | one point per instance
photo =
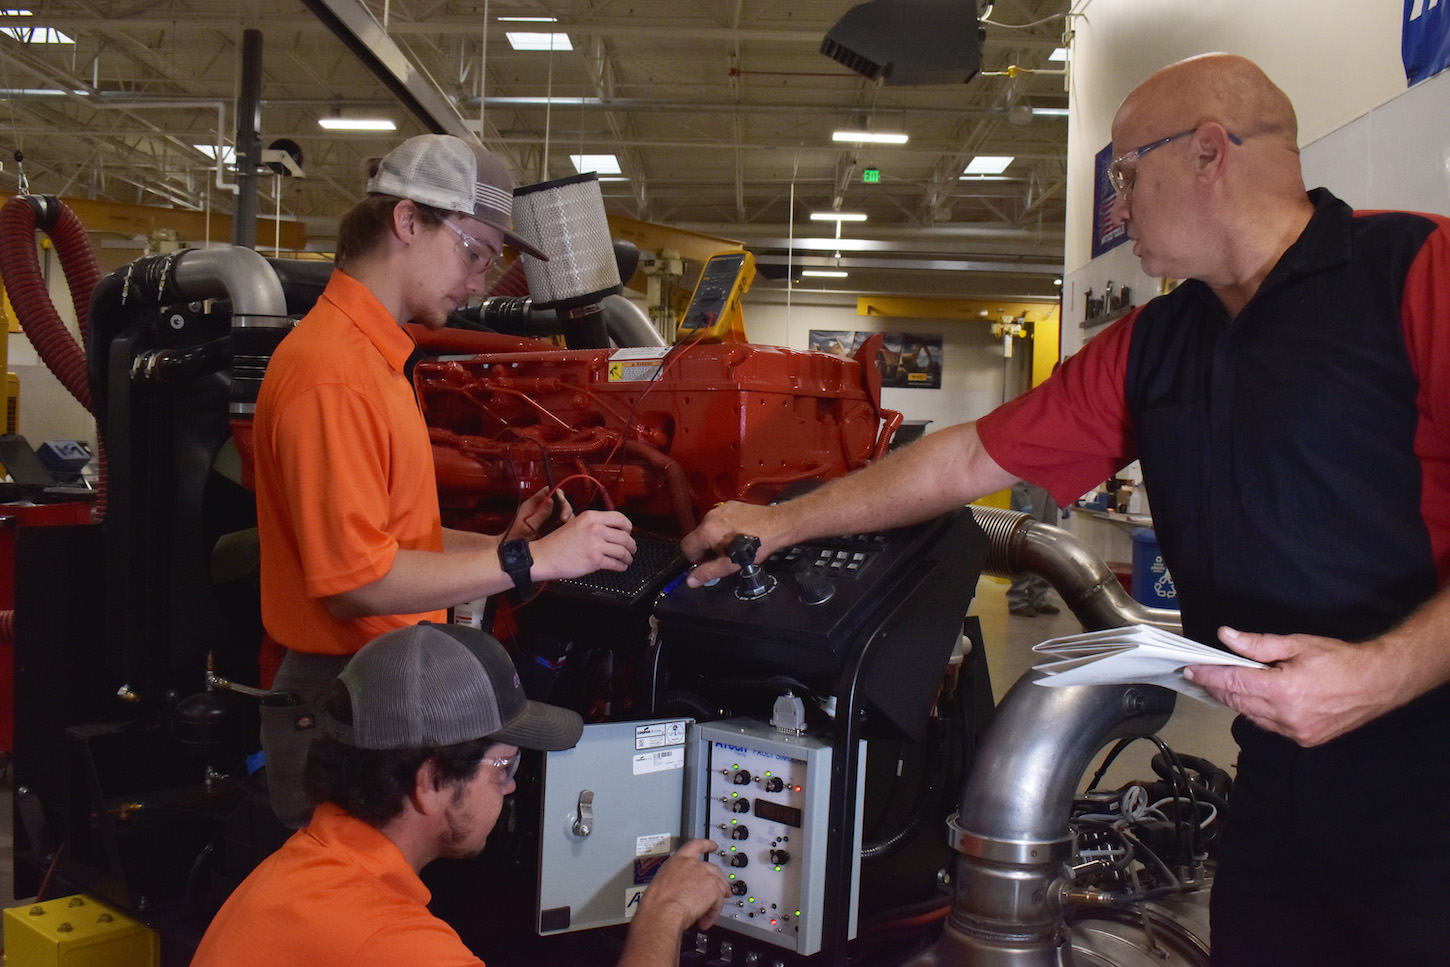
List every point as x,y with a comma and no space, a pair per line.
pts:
965,310
117,218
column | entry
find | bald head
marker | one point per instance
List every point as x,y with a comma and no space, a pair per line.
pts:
1224,88
1227,199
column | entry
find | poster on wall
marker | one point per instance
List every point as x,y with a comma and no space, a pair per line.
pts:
837,342
1425,39
1106,235
907,360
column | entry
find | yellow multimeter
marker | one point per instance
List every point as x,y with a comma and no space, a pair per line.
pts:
714,313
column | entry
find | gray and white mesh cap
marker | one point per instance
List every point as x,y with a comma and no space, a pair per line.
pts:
443,171
438,685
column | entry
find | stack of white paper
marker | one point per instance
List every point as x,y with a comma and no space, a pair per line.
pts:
1126,656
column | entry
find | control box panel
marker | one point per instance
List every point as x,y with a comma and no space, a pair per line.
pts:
811,600
765,803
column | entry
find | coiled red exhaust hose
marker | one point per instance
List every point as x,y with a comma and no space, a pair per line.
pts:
25,285
20,268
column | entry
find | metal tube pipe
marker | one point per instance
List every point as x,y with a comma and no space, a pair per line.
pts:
239,275
1011,833
1018,543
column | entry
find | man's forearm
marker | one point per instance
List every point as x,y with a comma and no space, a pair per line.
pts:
652,942
457,540
425,581
1419,647
936,474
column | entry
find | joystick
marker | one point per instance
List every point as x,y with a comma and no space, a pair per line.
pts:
754,582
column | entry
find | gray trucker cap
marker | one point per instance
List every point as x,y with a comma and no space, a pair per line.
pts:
438,685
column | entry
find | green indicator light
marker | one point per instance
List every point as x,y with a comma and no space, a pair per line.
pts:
734,848
767,772
732,876
752,899
734,822
797,913
777,869
735,795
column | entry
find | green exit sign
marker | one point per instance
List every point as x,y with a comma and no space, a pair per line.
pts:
871,175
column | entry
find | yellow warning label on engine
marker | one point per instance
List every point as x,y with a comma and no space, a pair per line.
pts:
636,364
621,373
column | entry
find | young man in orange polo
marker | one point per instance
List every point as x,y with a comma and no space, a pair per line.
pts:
423,731
352,541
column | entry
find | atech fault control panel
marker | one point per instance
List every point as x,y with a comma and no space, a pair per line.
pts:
765,804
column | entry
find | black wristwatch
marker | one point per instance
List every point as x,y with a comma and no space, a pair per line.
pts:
516,561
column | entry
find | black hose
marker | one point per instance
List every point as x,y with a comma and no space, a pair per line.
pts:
920,811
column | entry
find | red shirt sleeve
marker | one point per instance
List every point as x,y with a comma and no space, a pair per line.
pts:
1425,318
1072,432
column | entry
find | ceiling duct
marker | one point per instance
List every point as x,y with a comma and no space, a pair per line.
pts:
908,42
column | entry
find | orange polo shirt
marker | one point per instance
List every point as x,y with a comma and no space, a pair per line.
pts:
337,894
343,470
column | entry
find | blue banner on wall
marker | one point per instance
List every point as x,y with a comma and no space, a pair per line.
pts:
1425,41
1106,235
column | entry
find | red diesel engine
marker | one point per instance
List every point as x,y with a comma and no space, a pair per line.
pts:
662,435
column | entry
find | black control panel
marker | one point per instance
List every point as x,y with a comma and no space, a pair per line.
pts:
807,609
844,557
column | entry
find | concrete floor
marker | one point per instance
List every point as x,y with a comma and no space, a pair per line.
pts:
1195,728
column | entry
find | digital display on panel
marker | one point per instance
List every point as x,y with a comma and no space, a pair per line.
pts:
776,813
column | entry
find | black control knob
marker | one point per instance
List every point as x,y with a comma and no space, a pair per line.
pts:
739,859
774,784
740,806
754,582
814,587
739,888
742,549
780,857
741,778
739,832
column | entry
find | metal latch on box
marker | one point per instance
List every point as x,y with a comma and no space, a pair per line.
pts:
584,818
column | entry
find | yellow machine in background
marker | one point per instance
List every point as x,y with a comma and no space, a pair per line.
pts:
714,313
10,415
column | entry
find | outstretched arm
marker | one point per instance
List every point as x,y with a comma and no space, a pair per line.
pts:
1318,689
940,472
428,580
686,891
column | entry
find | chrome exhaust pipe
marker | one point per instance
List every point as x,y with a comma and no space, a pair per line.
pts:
1011,832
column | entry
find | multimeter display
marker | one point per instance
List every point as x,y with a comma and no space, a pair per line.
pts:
712,294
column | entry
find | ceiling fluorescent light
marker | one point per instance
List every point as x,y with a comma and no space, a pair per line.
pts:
603,164
528,20
824,273
38,92
1049,112
988,164
357,124
837,217
527,41
1059,55
554,100
868,137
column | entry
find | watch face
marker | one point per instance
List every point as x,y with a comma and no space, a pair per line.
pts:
515,555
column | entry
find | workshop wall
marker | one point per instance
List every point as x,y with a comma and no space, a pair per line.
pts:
976,376
1336,61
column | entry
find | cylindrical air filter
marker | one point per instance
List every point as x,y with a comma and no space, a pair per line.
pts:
565,219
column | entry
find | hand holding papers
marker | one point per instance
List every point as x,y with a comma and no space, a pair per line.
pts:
1125,656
